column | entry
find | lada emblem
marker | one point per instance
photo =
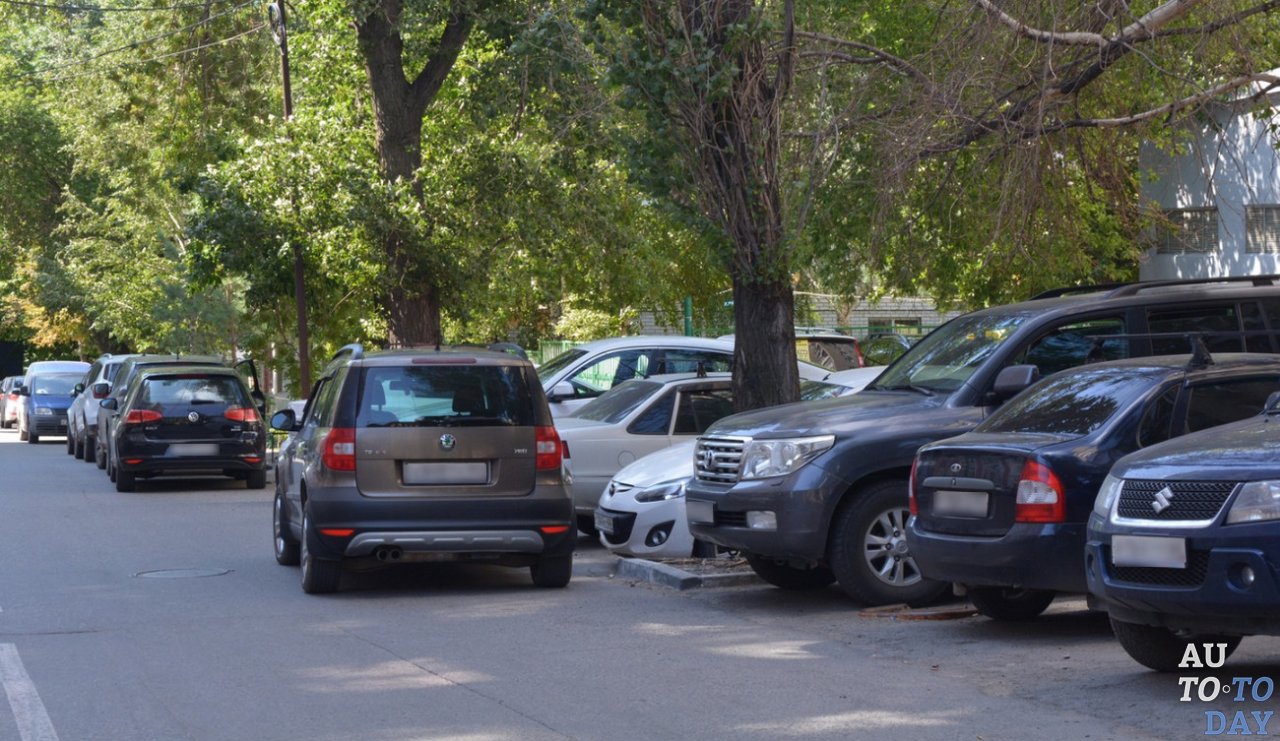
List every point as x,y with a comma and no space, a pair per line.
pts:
193,416
447,441
1162,499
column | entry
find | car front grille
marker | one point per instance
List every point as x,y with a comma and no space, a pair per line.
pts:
1178,500
1190,577
623,524
718,460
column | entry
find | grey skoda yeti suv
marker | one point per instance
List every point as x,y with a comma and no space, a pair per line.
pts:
422,455
817,492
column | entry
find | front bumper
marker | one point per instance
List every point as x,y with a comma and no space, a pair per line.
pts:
1028,556
48,424
1210,595
801,502
634,528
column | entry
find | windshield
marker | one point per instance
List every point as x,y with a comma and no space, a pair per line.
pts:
1073,403
55,385
617,403
945,359
814,390
558,363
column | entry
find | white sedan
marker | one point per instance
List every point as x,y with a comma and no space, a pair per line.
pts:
641,510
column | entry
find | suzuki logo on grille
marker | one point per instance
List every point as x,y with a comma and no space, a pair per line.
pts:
193,416
447,441
1161,501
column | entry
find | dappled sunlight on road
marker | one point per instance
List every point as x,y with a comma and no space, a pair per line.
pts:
674,631
386,676
856,721
778,650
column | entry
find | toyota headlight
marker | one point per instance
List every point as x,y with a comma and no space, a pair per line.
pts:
765,459
1256,502
44,412
662,492
1107,494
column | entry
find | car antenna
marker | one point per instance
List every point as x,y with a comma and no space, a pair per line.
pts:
1200,356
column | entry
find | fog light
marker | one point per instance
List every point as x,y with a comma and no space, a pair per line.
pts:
1247,577
762,520
659,535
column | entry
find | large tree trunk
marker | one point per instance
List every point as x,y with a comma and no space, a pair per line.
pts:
412,299
764,316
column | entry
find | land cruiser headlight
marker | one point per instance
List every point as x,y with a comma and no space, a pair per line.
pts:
1107,494
765,459
1256,502
44,412
662,492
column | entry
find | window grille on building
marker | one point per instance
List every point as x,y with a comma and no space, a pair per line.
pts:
1262,228
1189,230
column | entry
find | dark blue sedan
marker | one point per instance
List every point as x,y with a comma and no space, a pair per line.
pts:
1001,511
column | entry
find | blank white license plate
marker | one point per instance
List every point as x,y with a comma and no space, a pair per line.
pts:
193,449
604,523
960,503
1146,550
459,472
696,511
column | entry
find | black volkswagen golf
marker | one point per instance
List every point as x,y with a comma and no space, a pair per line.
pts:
187,420
1001,511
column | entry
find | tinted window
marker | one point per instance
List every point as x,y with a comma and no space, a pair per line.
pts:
1077,343
1219,324
1075,403
176,395
1214,404
319,409
443,396
60,384
558,363
1157,420
656,420
698,409
620,402
1257,339
686,361
112,370
946,358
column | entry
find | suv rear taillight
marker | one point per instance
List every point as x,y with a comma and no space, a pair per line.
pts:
1040,497
340,449
241,414
911,489
142,417
548,449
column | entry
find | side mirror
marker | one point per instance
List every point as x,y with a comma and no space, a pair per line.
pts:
24,391
111,404
561,391
79,389
284,421
101,390
1010,381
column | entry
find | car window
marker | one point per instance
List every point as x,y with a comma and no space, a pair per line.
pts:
175,395
444,396
559,363
686,361
618,403
319,410
1157,420
610,371
946,357
656,419
1213,404
111,371
55,384
1219,324
1257,338
1076,343
1074,403
698,409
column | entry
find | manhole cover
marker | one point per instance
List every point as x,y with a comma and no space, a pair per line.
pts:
181,573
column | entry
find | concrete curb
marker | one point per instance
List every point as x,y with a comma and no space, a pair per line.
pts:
666,575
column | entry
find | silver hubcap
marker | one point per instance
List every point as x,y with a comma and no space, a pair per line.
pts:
886,551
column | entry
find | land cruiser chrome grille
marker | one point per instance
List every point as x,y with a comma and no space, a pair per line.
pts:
718,460
1173,501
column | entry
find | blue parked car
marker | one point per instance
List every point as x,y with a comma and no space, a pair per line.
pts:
1001,511
1184,540
46,396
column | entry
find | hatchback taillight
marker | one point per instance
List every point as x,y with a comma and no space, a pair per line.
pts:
548,449
1040,496
142,417
339,450
241,414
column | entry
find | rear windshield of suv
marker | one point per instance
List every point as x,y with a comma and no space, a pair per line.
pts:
1073,403
177,394
444,396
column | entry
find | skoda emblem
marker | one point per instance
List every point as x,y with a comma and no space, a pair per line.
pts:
447,441
956,468
1162,499
193,416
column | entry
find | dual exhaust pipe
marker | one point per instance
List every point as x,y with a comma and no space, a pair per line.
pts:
388,553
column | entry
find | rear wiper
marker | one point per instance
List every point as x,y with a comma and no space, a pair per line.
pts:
907,387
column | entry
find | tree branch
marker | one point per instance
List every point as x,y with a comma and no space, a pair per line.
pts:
427,84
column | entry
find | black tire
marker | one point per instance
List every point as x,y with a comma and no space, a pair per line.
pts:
552,572
125,481
868,551
288,552
1160,648
319,575
32,437
1009,604
256,479
111,470
100,456
71,443
792,578
86,449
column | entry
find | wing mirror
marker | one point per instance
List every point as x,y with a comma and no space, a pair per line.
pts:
284,421
101,390
1012,380
24,391
111,404
561,391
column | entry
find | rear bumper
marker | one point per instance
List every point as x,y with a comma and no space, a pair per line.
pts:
1028,556
153,458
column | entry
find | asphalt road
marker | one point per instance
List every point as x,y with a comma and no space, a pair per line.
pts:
161,614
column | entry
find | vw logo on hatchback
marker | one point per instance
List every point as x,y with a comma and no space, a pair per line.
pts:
447,441
193,416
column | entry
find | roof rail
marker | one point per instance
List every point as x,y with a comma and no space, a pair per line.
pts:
1134,288
1067,290
355,349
